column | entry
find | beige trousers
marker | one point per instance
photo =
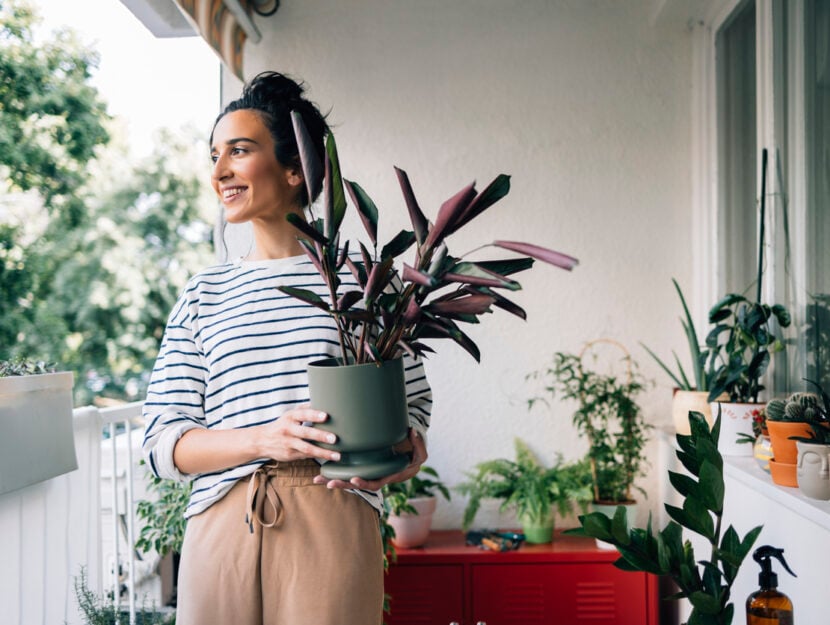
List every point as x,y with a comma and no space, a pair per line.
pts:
280,550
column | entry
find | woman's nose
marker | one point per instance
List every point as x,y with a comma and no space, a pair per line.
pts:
220,169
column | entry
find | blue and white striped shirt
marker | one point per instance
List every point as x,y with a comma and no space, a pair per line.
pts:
234,355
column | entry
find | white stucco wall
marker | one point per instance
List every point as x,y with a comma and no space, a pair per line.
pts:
586,104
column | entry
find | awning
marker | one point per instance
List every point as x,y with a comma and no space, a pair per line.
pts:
227,24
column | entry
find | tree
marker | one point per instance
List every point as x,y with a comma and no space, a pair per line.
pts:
94,247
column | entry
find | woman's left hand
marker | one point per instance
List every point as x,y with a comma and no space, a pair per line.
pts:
419,457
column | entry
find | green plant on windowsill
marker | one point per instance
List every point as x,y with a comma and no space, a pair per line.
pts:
698,355
705,583
528,487
817,416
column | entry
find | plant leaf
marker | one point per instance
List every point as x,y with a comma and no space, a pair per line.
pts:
448,214
495,191
366,209
309,158
309,297
397,246
335,191
420,225
306,228
540,253
472,273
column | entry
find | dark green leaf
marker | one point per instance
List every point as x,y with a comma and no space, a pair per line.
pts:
711,487
366,209
309,297
397,246
306,228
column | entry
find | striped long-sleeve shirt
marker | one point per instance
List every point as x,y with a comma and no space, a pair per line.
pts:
234,355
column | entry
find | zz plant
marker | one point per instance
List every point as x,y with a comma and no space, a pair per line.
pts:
705,583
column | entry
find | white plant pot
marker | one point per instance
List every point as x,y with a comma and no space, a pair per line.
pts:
813,472
736,419
609,510
37,441
412,530
685,401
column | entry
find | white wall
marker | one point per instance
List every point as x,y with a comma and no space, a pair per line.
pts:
586,104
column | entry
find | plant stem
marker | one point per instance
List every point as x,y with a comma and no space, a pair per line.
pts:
763,211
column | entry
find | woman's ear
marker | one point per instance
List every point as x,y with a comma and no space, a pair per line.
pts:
295,177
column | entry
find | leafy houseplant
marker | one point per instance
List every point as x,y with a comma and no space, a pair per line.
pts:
608,416
691,392
705,583
740,346
163,516
391,313
36,407
410,505
530,488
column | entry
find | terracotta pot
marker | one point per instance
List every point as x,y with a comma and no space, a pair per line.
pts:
736,419
412,530
783,448
813,470
782,473
685,401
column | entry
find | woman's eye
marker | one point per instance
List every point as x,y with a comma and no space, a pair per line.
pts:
238,151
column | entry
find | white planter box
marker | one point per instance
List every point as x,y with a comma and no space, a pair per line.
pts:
36,438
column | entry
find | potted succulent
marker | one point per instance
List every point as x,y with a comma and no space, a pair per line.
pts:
788,418
741,344
691,391
813,459
609,417
410,505
390,312
529,488
705,583
36,420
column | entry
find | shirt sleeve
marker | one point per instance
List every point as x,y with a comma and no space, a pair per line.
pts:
418,395
175,396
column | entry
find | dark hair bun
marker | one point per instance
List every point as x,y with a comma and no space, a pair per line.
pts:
273,86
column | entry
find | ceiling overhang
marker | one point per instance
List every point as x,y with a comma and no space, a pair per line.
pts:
224,24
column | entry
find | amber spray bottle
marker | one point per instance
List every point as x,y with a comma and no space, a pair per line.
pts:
767,606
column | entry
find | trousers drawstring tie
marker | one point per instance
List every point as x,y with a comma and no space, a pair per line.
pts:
261,493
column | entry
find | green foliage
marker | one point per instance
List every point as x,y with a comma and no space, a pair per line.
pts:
698,356
609,417
817,339
527,486
163,516
100,611
19,366
51,117
814,410
796,407
396,495
740,346
706,583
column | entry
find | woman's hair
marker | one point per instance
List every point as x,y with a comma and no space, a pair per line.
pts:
273,96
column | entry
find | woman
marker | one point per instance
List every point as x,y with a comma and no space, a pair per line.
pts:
269,541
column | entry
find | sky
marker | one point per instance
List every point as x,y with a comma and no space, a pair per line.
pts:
148,82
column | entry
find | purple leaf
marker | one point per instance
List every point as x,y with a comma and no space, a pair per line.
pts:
349,299
359,275
484,200
412,312
449,213
309,297
312,254
541,253
367,260
309,158
413,275
306,228
419,222
379,277
469,304
344,254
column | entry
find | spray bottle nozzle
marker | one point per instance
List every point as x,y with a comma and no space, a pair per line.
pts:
767,578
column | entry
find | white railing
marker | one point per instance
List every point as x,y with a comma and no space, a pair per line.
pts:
111,418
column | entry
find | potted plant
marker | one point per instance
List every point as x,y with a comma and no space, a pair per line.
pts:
705,583
36,420
162,531
609,417
813,459
740,344
411,504
787,418
691,391
390,312
529,488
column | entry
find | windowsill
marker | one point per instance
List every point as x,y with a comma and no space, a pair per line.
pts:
746,471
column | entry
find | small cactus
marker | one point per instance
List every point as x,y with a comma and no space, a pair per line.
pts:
797,407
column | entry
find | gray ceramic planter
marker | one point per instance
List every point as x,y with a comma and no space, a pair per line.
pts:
367,412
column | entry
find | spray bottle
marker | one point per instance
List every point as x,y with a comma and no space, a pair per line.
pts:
767,606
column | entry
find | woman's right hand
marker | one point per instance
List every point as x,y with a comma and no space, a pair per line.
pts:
288,439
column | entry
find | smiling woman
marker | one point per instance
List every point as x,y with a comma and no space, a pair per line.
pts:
227,406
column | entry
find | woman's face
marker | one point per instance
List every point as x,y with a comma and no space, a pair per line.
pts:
249,180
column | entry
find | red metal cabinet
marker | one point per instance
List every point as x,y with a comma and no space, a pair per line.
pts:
567,582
